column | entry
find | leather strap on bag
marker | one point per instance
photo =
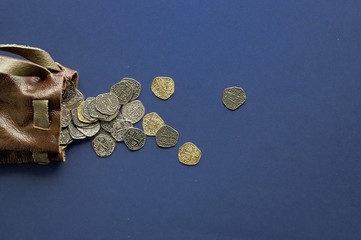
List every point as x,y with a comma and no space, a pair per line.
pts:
35,55
13,66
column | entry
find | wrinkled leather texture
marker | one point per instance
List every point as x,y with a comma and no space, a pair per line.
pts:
18,136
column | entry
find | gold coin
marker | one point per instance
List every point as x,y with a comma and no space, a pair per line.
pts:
80,114
163,87
151,123
189,154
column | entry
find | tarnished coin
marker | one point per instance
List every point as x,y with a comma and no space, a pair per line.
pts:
233,97
65,137
90,130
65,116
151,123
110,117
108,125
166,137
76,121
107,103
163,87
136,87
189,154
103,145
134,138
123,90
94,112
72,97
80,113
133,111
118,129
86,110
74,132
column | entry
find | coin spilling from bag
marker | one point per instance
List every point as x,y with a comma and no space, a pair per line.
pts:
51,111
109,118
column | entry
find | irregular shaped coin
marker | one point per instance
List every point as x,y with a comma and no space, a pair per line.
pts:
65,116
74,132
94,112
90,130
103,145
123,90
80,112
152,122
133,111
76,121
136,87
65,137
233,97
118,129
86,110
72,97
166,137
189,154
163,87
134,138
107,103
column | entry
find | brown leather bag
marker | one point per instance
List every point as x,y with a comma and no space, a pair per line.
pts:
30,112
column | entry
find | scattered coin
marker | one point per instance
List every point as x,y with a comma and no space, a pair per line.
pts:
189,154
163,87
103,145
133,111
118,129
134,138
136,87
123,90
107,103
233,97
166,137
151,123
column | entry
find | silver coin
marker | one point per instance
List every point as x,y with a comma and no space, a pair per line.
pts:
133,111
107,103
65,116
103,145
108,125
65,137
90,130
110,117
166,137
123,90
74,132
136,87
86,109
233,97
134,138
94,112
72,97
76,121
118,129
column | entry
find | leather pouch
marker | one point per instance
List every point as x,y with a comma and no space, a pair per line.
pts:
30,105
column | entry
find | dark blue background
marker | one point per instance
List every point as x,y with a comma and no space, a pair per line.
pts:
287,165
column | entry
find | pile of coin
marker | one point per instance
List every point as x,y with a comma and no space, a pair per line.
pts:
109,117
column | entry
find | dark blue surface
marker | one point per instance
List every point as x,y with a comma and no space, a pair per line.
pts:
287,165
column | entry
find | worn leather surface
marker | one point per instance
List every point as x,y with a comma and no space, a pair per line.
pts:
18,137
